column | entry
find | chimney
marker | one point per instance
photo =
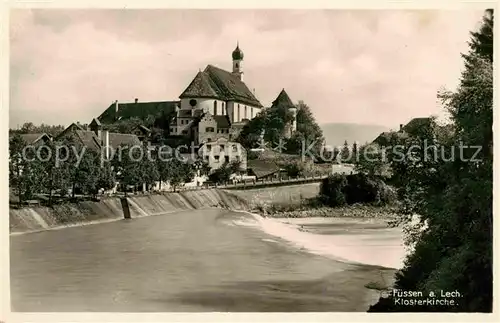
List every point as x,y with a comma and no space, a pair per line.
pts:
136,100
106,143
401,127
96,127
116,106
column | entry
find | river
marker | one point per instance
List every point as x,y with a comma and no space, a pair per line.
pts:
209,260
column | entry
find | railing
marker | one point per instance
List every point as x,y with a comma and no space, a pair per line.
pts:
261,183
269,182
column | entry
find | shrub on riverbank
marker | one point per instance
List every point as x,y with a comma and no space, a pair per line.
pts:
340,190
356,211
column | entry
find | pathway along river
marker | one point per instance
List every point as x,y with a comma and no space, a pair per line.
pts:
196,261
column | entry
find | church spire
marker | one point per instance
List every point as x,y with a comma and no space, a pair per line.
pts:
237,60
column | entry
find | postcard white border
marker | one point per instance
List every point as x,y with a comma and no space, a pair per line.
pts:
7,316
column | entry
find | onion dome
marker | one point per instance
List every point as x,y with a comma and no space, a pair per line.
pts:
237,53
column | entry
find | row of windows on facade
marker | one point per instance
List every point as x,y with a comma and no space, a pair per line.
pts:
223,111
217,158
237,111
212,129
222,147
207,129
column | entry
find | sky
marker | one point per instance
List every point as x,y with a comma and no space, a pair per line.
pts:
350,66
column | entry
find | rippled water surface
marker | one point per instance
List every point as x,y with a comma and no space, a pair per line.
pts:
203,260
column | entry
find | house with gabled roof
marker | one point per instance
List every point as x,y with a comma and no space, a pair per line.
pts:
97,139
34,139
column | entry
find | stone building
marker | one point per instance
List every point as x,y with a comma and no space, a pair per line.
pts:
222,151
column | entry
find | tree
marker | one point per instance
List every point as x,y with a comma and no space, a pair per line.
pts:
179,172
355,152
51,130
56,174
345,153
295,169
148,167
307,125
294,144
454,197
235,166
221,175
25,169
481,42
202,167
107,177
127,164
272,123
28,127
83,166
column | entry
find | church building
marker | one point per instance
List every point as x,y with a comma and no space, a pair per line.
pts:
217,103
210,112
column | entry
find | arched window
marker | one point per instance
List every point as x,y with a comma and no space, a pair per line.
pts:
223,109
246,116
238,118
215,108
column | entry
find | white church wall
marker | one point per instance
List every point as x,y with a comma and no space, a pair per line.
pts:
207,105
230,110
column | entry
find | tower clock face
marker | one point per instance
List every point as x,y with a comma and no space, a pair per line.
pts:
192,102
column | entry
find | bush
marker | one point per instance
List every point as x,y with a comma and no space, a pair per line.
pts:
295,169
338,190
332,190
221,175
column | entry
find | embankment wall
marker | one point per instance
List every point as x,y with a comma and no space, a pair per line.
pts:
32,219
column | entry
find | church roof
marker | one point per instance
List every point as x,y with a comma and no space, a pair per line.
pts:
217,83
139,110
283,99
200,86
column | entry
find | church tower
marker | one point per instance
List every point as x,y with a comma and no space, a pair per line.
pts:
237,60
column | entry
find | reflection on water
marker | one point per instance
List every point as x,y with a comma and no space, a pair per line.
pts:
188,261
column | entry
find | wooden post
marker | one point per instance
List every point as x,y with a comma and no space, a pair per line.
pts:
125,208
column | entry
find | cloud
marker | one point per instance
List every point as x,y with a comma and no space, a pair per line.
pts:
381,67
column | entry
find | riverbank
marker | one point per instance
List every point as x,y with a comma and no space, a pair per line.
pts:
39,218
282,202
350,211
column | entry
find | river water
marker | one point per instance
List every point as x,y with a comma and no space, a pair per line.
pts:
208,260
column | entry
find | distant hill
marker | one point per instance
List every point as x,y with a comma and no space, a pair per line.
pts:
336,133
